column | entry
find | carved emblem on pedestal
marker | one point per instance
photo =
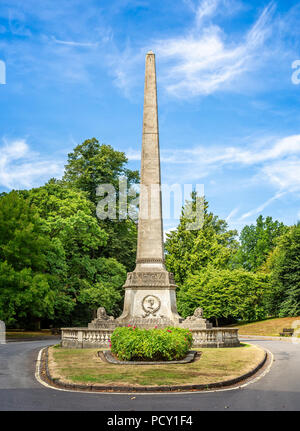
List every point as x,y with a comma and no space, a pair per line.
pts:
151,304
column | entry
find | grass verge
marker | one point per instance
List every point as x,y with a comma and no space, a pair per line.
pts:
269,327
83,366
27,334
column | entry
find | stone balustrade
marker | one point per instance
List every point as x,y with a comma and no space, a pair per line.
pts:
82,338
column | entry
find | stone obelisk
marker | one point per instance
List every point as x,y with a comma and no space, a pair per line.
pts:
150,298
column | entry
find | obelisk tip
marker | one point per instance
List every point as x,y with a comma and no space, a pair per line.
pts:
150,52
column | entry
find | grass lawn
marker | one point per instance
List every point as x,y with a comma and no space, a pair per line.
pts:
85,367
271,327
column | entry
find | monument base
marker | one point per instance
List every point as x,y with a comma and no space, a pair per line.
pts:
148,307
99,331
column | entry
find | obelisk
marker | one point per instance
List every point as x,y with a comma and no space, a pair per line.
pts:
150,298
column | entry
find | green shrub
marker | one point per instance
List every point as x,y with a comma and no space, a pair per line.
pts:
136,344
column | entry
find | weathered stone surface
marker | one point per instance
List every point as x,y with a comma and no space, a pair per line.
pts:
102,320
150,249
91,338
150,298
2,332
196,321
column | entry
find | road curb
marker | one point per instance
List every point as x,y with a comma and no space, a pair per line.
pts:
45,376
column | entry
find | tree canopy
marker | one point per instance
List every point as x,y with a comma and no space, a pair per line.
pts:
191,250
257,241
284,268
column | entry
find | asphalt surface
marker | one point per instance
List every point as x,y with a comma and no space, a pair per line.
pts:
278,390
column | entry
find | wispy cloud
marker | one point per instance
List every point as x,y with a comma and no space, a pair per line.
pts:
232,214
203,60
75,43
254,153
273,160
261,207
20,167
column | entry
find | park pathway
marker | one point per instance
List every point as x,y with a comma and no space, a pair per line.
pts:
277,390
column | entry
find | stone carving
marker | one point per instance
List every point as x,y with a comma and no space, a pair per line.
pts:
171,278
151,304
198,314
101,314
147,279
196,320
150,260
102,320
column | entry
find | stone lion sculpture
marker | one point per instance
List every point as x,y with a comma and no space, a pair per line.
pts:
198,314
101,314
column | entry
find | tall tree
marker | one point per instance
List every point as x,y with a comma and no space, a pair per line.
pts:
27,286
284,264
191,250
91,164
70,220
256,243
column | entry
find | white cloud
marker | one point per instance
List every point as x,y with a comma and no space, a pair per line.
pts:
75,44
232,214
284,174
272,159
22,168
261,207
205,9
204,60
258,152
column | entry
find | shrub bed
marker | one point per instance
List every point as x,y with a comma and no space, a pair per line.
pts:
136,344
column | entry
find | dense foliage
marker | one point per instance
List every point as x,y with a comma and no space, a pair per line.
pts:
135,344
224,293
284,267
190,250
58,262
230,280
28,272
257,241
90,165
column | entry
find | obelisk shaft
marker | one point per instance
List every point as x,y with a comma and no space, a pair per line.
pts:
150,290
150,249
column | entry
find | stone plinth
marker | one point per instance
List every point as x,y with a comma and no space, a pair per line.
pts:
150,299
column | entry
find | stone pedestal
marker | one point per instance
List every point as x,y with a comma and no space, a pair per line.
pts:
150,299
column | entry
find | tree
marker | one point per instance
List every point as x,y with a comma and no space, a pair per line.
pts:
256,243
27,287
189,251
284,264
70,221
92,164
224,293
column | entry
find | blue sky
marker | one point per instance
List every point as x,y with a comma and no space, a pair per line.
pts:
229,111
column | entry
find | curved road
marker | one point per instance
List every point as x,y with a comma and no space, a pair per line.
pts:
277,390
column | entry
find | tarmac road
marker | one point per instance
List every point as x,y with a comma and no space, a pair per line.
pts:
278,390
